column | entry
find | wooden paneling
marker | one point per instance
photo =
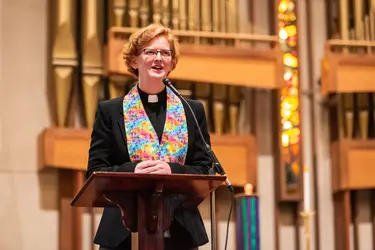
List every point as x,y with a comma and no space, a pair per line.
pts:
345,73
65,148
353,165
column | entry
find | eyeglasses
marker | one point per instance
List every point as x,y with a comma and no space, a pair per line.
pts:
166,53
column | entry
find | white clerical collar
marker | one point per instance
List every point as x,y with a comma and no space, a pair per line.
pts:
153,98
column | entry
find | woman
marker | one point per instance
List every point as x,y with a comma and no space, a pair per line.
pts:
150,131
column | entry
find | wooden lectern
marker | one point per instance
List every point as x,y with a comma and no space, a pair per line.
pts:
147,201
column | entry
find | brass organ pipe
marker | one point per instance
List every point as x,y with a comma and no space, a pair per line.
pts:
206,9
134,13
193,13
232,14
183,15
116,88
344,25
206,15
144,13
118,8
64,59
216,16
156,11
372,20
222,15
175,14
358,9
166,13
367,32
193,21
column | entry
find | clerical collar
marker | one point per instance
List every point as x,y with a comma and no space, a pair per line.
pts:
157,98
153,98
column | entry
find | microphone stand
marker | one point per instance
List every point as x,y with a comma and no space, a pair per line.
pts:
216,169
213,214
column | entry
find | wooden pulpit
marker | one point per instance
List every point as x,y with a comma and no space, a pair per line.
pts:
146,201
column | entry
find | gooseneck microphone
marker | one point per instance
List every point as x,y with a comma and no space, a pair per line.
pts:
217,166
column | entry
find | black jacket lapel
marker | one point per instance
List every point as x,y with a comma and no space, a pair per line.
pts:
121,125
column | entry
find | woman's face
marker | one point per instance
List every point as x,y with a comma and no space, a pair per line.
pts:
155,60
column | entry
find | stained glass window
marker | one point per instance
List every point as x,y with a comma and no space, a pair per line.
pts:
290,121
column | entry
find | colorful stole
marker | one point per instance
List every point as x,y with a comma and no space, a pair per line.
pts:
142,140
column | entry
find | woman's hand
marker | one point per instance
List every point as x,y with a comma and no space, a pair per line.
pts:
153,167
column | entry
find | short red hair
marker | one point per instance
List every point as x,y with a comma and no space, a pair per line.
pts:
139,39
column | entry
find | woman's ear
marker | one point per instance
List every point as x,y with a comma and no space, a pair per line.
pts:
134,62
173,64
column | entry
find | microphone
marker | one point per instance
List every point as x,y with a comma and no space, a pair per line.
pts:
217,166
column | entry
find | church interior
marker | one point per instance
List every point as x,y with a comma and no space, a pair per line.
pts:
289,92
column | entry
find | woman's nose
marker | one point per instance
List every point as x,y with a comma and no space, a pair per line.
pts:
158,56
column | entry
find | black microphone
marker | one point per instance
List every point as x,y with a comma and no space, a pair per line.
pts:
217,166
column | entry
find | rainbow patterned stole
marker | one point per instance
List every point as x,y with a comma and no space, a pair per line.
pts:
142,140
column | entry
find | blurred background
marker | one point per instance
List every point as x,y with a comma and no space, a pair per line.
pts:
288,88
